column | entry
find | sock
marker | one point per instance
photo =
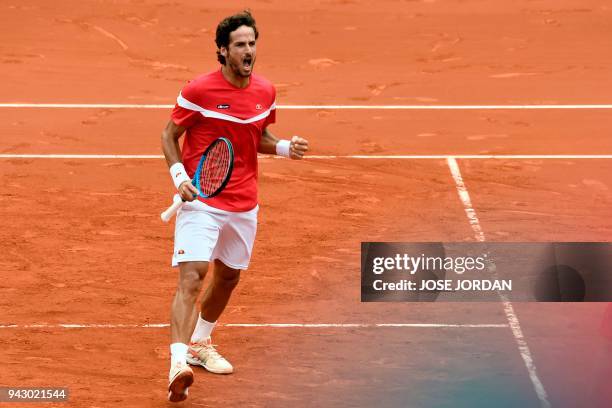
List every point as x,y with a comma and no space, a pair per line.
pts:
202,330
178,352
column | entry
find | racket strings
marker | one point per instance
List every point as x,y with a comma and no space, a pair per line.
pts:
215,169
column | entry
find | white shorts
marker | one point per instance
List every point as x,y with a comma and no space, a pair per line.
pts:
204,233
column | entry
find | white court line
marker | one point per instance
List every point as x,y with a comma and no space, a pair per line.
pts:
513,321
81,156
463,156
329,157
271,325
309,107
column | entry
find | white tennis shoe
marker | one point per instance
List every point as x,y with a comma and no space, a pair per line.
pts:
180,378
204,354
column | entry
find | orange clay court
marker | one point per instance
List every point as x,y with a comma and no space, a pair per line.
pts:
82,243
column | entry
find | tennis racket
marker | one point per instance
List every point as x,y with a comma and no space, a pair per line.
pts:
212,174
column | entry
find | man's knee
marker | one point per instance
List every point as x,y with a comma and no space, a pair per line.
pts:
226,277
191,278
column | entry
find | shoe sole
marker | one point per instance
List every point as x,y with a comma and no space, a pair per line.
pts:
177,390
212,370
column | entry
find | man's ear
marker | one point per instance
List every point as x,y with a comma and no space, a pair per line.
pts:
223,51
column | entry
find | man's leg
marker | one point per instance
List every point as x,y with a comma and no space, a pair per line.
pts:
184,315
184,310
202,351
218,293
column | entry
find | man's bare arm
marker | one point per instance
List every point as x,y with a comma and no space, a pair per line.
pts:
297,149
172,152
268,142
170,146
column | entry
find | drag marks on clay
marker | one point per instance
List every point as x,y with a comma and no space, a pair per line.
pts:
377,89
134,58
446,42
442,51
597,185
20,58
513,75
355,204
368,146
15,147
94,118
549,11
108,34
322,63
486,137
143,62
86,26
140,21
283,88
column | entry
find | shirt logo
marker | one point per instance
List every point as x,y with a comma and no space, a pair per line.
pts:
258,107
223,106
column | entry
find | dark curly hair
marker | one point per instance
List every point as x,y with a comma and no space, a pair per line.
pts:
230,24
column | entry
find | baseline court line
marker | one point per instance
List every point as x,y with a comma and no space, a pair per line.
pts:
307,107
511,316
270,325
328,157
464,156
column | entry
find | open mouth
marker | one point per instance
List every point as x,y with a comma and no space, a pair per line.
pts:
247,63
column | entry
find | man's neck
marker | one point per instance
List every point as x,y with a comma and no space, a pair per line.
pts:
237,81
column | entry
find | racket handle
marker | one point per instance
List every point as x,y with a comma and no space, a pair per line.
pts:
177,203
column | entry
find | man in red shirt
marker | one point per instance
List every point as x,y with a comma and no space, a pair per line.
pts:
239,105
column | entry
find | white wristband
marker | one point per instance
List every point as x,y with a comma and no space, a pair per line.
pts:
282,148
178,174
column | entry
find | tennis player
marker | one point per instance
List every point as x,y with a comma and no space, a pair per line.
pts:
234,103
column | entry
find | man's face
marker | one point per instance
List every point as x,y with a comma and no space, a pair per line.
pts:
241,51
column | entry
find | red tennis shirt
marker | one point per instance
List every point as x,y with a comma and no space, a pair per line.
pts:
210,107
